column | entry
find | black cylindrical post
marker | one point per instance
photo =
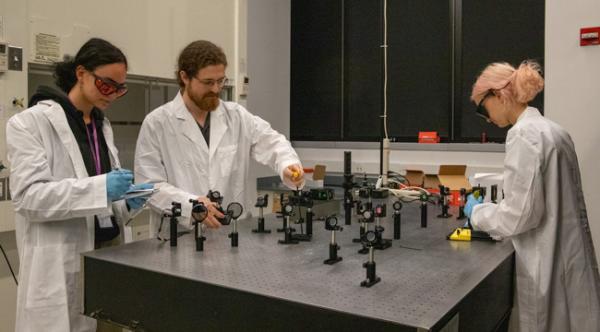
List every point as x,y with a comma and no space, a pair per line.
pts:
309,221
461,207
173,231
424,214
234,239
494,194
347,162
397,217
348,184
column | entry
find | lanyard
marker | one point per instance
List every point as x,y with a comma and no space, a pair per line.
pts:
94,147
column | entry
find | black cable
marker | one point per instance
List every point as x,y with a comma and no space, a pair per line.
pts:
411,248
179,234
399,177
162,219
301,224
9,266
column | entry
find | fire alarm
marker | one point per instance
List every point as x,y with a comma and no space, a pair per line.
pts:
589,36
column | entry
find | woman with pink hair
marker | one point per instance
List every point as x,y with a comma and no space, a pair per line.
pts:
543,213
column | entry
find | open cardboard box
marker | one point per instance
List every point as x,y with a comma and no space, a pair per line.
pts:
415,177
432,183
451,176
454,177
316,177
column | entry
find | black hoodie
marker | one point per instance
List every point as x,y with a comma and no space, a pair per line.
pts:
78,127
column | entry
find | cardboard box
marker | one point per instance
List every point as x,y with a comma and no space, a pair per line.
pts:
314,177
431,182
319,172
415,177
453,177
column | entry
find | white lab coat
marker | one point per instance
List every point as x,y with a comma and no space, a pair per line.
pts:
557,281
55,202
172,153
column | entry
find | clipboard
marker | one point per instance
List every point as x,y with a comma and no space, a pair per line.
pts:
139,193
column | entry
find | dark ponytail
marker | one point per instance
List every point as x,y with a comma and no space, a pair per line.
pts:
94,53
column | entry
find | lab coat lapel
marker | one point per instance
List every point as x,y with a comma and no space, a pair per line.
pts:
218,127
57,117
187,123
112,149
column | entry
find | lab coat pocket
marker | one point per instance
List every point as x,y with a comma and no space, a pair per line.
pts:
47,284
226,159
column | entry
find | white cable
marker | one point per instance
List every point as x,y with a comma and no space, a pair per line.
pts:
386,142
386,161
411,191
385,68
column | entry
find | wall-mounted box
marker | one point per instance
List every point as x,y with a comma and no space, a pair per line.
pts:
589,36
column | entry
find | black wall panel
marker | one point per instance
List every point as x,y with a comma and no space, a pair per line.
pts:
511,31
419,68
363,85
436,49
316,70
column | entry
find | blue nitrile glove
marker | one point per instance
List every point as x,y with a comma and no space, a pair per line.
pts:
471,202
137,202
117,183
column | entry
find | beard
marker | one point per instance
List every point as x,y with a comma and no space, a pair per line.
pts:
207,102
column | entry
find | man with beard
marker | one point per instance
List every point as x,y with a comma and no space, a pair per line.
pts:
197,142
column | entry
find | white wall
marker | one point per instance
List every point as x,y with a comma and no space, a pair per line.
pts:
367,160
269,69
572,97
150,32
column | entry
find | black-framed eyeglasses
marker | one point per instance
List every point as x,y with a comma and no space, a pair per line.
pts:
107,87
481,110
221,82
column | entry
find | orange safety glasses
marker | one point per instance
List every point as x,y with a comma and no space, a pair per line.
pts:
107,87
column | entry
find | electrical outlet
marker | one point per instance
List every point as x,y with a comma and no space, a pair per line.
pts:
15,58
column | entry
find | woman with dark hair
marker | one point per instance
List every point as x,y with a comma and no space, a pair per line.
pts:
543,212
67,185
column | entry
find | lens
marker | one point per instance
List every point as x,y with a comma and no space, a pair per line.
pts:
104,88
235,209
288,208
332,221
370,236
122,91
481,110
199,212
